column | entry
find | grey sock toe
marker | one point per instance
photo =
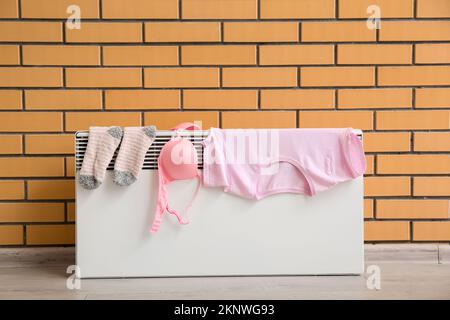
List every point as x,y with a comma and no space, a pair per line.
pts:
116,132
89,182
150,131
123,178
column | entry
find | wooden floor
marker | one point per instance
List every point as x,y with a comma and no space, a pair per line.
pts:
407,272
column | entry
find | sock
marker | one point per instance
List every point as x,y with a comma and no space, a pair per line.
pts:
102,143
134,146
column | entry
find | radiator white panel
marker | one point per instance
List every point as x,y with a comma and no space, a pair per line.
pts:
286,234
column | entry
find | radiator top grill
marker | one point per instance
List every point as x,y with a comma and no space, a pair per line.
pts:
151,157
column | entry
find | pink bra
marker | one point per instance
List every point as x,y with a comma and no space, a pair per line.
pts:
177,161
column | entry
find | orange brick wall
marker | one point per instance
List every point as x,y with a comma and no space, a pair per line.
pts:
229,63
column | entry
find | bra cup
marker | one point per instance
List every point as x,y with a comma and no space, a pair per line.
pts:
179,159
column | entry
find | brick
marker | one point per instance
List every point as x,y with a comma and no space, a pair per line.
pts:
336,119
337,76
297,99
259,77
296,54
374,54
414,76
142,99
258,119
412,209
49,144
53,55
71,213
103,77
57,9
432,141
218,55
70,167
140,9
30,77
431,231
370,164
433,98
386,186
167,120
107,32
219,9
387,141
10,144
140,56
30,121
389,8
294,9
368,208
220,99
10,9
182,32
31,167
374,98
30,31
11,235
342,31
181,77
51,189
413,120
11,190
63,99
433,9
9,55
386,231
31,212
76,121
261,32
432,186
413,164
433,53
10,99
415,31
50,234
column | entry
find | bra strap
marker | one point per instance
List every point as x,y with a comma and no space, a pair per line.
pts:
163,205
189,205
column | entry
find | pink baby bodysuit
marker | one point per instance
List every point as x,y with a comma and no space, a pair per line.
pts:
255,163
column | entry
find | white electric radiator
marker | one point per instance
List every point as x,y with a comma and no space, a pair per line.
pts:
284,234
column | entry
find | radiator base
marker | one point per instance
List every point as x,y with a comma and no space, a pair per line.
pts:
285,234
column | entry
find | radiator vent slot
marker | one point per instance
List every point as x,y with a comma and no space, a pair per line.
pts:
151,158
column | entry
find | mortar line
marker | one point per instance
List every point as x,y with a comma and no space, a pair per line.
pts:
258,10
65,212
411,231
24,231
415,9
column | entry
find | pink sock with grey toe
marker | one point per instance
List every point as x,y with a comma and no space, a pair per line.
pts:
102,143
136,141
